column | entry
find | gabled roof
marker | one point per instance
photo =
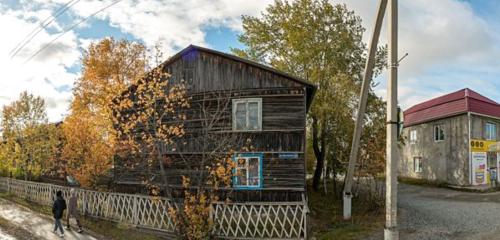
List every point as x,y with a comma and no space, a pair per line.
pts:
310,88
459,102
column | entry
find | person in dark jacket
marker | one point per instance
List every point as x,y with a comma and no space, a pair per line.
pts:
58,210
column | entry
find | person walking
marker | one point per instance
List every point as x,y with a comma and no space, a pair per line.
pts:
57,210
73,210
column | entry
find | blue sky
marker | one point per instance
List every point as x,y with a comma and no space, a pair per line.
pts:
452,44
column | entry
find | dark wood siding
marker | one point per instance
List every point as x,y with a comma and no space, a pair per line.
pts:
210,78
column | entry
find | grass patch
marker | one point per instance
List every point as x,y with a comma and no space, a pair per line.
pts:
108,229
327,221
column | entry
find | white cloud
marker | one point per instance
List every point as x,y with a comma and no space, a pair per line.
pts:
175,23
449,46
443,38
44,74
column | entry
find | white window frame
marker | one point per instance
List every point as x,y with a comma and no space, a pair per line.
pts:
490,131
413,136
436,129
417,168
259,117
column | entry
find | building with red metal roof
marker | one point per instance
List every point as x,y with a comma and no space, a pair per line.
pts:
450,139
456,103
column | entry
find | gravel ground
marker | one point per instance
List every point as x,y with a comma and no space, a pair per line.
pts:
5,236
439,213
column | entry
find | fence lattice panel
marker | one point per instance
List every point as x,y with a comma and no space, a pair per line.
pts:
261,220
282,220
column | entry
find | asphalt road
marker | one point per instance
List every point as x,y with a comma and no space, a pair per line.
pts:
439,213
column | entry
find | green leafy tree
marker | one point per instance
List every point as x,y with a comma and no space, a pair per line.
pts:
321,43
29,141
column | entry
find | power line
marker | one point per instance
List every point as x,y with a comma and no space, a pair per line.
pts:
72,27
42,26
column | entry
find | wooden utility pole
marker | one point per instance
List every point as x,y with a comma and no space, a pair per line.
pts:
391,231
365,87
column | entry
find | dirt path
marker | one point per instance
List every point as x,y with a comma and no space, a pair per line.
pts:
10,231
37,225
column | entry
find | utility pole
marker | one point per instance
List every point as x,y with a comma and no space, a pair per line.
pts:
365,87
391,231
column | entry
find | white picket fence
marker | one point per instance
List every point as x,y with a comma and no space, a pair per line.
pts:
275,220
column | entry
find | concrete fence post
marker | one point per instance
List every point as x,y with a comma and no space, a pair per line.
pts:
51,193
135,213
84,202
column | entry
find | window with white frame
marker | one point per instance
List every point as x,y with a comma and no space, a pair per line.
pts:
490,131
417,164
248,171
438,133
247,114
413,136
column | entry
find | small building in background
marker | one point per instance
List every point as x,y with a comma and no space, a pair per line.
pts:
452,139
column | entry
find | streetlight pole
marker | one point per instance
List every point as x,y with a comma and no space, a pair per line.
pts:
365,87
391,231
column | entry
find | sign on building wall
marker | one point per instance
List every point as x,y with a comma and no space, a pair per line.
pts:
480,145
479,168
479,156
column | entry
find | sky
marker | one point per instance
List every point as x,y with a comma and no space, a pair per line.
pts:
451,44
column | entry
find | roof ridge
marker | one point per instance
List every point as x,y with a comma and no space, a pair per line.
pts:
458,102
467,93
416,106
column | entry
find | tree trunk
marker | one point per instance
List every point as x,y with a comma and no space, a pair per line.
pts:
164,178
335,188
319,154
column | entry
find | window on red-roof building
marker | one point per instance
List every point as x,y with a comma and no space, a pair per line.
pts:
438,133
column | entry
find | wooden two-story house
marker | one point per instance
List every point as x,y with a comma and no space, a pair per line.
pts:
236,104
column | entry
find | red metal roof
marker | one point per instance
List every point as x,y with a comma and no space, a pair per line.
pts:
455,103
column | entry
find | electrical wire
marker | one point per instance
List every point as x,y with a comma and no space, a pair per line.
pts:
42,26
72,27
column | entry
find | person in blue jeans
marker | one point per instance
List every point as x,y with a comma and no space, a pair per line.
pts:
58,210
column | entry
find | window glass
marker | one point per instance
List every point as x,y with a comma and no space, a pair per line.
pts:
417,164
253,115
441,133
253,171
438,133
240,115
413,136
490,131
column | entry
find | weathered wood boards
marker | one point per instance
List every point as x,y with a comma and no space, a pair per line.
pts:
214,80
